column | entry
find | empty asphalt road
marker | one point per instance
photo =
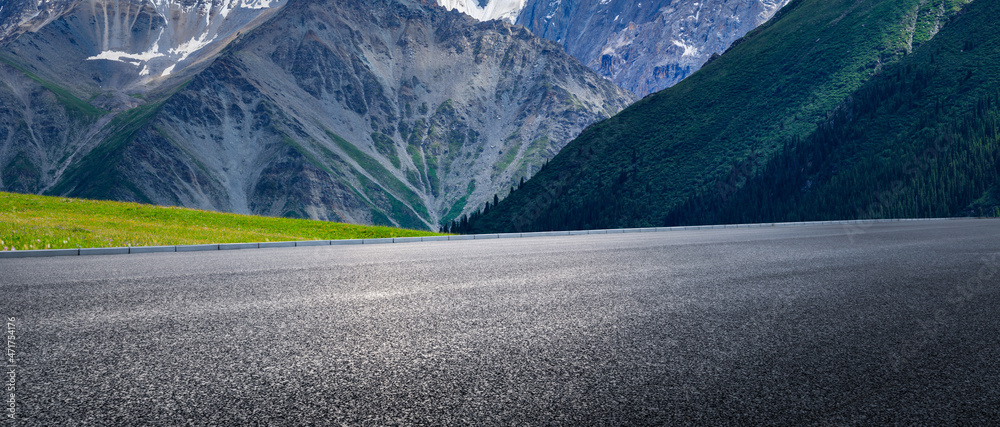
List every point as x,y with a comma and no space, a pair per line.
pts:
820,324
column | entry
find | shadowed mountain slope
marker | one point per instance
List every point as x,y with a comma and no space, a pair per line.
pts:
747,106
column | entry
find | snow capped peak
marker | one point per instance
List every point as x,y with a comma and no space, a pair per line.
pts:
506,10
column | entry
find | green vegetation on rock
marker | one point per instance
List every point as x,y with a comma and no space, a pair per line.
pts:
82,110
380,173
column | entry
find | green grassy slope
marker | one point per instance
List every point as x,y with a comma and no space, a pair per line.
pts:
921,140
41,222
774,86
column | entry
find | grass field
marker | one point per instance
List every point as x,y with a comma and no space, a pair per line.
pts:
41,222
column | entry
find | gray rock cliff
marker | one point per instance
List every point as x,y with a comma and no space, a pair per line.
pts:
642,45
646,45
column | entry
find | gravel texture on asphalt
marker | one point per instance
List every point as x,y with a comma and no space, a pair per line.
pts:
827,324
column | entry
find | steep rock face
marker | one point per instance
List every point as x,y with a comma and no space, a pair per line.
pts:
382,112
122,47
645,45
40,131
18,16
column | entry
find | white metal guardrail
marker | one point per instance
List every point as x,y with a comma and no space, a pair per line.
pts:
261,245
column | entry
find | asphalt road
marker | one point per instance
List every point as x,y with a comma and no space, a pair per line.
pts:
872,324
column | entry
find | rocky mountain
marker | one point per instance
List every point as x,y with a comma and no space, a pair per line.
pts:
834,109
646,45
123,46
642,45
385,112
17,16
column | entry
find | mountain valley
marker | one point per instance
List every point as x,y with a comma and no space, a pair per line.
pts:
405,113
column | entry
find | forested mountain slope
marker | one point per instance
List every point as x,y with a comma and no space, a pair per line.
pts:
920,140
639,167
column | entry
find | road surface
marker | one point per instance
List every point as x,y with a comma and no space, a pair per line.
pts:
806,325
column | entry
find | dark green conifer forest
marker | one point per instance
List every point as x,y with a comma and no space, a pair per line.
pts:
916,135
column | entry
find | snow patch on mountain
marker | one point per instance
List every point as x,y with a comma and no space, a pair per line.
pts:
186,28
487,10
689,50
